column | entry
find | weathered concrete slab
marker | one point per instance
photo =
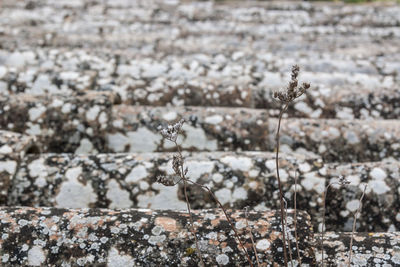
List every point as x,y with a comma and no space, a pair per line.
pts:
60,123
13,147
135,129
369,249
237,179
61,237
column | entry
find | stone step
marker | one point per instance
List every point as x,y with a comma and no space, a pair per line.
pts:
90,123
60,123
131,237
369,249
199,80
343,17
13,147
216,129
237,179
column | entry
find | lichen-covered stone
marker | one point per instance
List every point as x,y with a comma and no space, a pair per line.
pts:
136,129
60,123
13,147
237,179
340,140
131,237
369,249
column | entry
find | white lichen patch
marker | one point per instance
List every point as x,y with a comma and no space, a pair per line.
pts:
167,198
379,187
137,173
36,256
154,240
196,138
238,163
36,112
170,116
142,140
224,195
313,181
114,259
92,113
119,197
37,168
263,244
8,166
214,120
74,194
197,168
304,167
222,259
239,194
85,147
353,205
5,149
378,174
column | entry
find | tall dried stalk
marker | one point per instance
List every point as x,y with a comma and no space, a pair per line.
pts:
354,225
171,133
286,97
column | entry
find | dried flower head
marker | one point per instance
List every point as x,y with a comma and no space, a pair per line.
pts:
172,131
292,91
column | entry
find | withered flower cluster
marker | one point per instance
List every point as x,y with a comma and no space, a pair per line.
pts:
172,131
292,91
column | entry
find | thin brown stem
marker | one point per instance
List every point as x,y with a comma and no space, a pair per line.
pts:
354,225
288,235
295,218
323,221
280,185
183,177
251,236
227,218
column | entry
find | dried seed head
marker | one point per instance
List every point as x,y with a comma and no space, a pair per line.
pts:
293,90
172,131
165,180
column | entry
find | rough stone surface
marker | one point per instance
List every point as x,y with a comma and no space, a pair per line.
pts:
238,180
60,123
13,147
369,249
341,140
136,129
81,237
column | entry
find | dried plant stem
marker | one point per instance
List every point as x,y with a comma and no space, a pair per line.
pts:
323,223
354,225
227,218
280,185
295,218
342,182
288,235
183,177
251,236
